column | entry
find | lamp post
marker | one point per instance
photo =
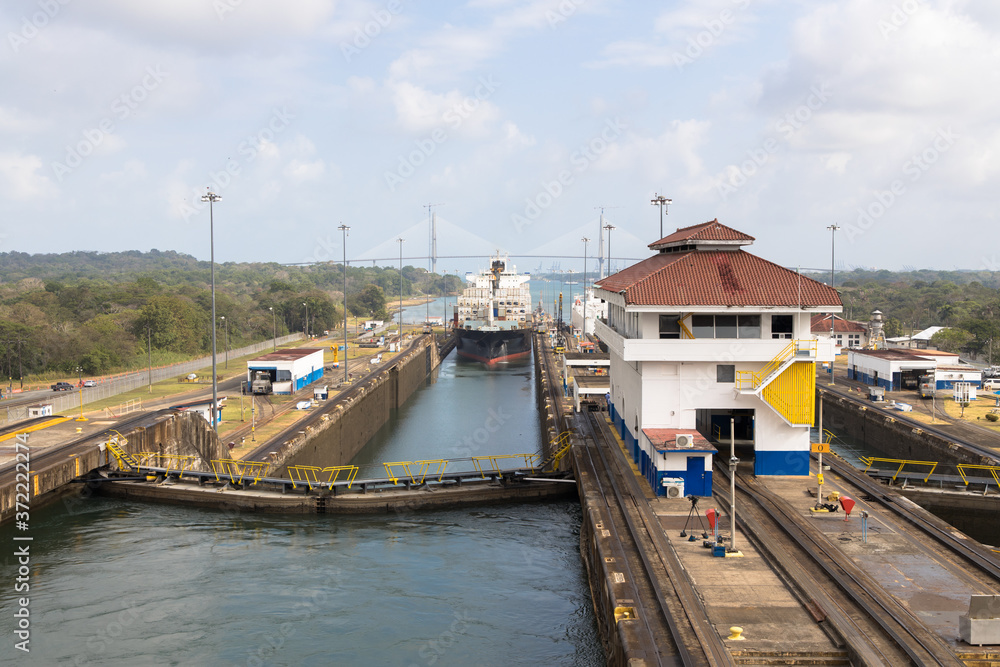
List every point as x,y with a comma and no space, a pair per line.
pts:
81,418
400,323
274,328
226,323
211,198
149,352
610,227
344,229
585,242
833,250
661,201
305,323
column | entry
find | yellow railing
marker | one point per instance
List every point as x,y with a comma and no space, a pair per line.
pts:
423,468
116,445
753,379
829,436
240,470
793,394
993,470
172,462
493,462
559,447
314,475
869,461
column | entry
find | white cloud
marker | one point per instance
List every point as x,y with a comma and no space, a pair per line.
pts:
419,110
22,177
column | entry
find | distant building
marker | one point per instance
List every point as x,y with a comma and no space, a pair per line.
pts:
203,408
918,341
900,369
703,333
846,333
290,369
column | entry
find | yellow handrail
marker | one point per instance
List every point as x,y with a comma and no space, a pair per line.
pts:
237,470
870,460
962,467
753,379
529,462
310,475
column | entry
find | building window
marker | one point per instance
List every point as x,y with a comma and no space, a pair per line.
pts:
703,326
670,326
749,326
725,326
781,326
725,373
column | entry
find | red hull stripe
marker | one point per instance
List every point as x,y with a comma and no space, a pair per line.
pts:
506,357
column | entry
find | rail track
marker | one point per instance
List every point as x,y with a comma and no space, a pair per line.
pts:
876,627
674,628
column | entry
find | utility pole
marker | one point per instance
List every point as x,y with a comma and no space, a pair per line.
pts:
610,228
600,240
211,198
344,228
585,242
833,249
400,241
661,201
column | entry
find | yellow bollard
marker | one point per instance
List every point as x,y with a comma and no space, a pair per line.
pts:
736,634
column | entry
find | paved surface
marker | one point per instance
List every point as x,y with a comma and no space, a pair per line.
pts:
736,591
894,555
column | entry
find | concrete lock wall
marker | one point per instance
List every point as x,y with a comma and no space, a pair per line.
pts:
891,437
165,432
347,425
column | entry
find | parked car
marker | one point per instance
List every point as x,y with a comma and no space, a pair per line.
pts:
89,383
62,386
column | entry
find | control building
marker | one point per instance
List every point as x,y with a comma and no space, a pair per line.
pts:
703,333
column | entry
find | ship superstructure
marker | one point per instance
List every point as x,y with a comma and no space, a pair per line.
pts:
493,313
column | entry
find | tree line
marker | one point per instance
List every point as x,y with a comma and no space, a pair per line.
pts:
105,312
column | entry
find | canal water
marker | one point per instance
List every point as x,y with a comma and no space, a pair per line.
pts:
116,583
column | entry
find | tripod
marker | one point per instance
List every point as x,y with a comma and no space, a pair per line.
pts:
692,513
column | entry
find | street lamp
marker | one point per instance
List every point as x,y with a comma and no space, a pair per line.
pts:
610,227
400,323
661,201
81,418
833,249
274,328
305,323
149,352
344,228
585,242
226,323
211,198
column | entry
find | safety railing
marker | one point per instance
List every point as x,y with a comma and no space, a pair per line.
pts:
179,463
558,449
315,476
869,461
422,470
238,471
116,445
993,470
753,379
491,464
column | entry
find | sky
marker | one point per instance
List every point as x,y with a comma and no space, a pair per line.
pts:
515,122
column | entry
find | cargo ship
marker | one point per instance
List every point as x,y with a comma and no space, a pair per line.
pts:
492,318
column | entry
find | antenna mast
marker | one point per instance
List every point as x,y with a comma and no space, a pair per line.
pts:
432,241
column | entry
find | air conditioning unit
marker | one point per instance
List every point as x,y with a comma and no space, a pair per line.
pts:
685,440
673,487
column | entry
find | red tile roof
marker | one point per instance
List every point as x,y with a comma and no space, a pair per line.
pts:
706,231
820,323
716,278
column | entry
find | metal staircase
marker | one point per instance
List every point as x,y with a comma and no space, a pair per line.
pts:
787,383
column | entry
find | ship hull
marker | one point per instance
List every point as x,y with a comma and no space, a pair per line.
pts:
492,347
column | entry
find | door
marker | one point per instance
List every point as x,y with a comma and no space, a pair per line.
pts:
694,479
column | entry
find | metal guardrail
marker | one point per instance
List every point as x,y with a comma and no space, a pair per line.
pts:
993,470
869,461
314,475
753,379
530,462
423,469
237,470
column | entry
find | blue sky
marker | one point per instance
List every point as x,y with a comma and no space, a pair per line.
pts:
521,118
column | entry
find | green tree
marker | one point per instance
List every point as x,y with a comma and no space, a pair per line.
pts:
952,340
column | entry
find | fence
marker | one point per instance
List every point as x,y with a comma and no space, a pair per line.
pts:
119,384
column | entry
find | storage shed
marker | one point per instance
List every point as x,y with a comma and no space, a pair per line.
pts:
290,370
